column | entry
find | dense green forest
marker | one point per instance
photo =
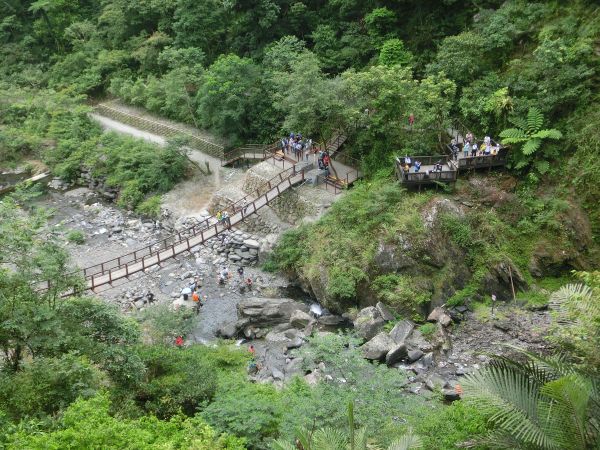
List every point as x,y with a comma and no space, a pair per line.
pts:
77,373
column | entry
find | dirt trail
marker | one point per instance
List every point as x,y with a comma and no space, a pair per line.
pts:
192,196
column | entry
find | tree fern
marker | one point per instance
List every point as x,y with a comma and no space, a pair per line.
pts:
529,137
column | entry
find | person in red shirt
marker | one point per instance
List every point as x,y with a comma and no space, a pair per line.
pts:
179,341
411,120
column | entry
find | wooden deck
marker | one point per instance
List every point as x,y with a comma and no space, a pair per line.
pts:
427,174
482,161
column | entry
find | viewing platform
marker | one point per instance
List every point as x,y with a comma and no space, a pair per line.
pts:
427,174
481,161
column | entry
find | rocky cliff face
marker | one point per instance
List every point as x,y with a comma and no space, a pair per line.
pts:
435,264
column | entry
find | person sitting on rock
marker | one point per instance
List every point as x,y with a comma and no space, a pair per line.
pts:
240,272
249,283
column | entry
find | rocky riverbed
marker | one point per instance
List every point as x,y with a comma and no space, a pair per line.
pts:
274,317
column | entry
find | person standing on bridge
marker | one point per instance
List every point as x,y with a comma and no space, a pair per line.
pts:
466,149
244,206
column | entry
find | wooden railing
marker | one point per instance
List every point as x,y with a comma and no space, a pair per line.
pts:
249,151
139,260
142,123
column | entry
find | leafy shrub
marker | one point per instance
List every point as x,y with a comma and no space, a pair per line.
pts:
47,385
76,237
252,411
176,380
150,207
400,293
88,424
427,329
162,324
447,426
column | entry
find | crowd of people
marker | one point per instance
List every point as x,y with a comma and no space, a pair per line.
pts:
297,146
416,166
302,148
471,149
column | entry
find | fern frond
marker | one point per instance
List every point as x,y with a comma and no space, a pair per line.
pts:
542,166
513,136
567,412
579,295
511,400
409,441
518,122
531,146
280,444
548,134
329,439
535,120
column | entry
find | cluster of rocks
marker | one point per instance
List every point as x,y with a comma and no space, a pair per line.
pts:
405,348
237,247
258,317
278,325
97,184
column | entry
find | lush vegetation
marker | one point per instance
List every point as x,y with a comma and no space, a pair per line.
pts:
78,373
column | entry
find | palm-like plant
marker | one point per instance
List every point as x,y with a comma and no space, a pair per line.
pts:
542,403
335,439
529,135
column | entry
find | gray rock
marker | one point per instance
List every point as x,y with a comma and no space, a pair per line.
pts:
416,340
268,311
251,243
428,360
401,331
384,312
397,353
295,343
277,374
434,382
378,347
368,322
227,331
440,316
415,355
299,319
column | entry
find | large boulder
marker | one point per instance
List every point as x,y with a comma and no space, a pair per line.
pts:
384,312
256,312
377,348
396,354
368,322
440,316
300,319
401,331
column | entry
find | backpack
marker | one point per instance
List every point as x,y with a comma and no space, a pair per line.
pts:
195,297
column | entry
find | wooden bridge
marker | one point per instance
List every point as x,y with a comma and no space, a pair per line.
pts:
139,260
